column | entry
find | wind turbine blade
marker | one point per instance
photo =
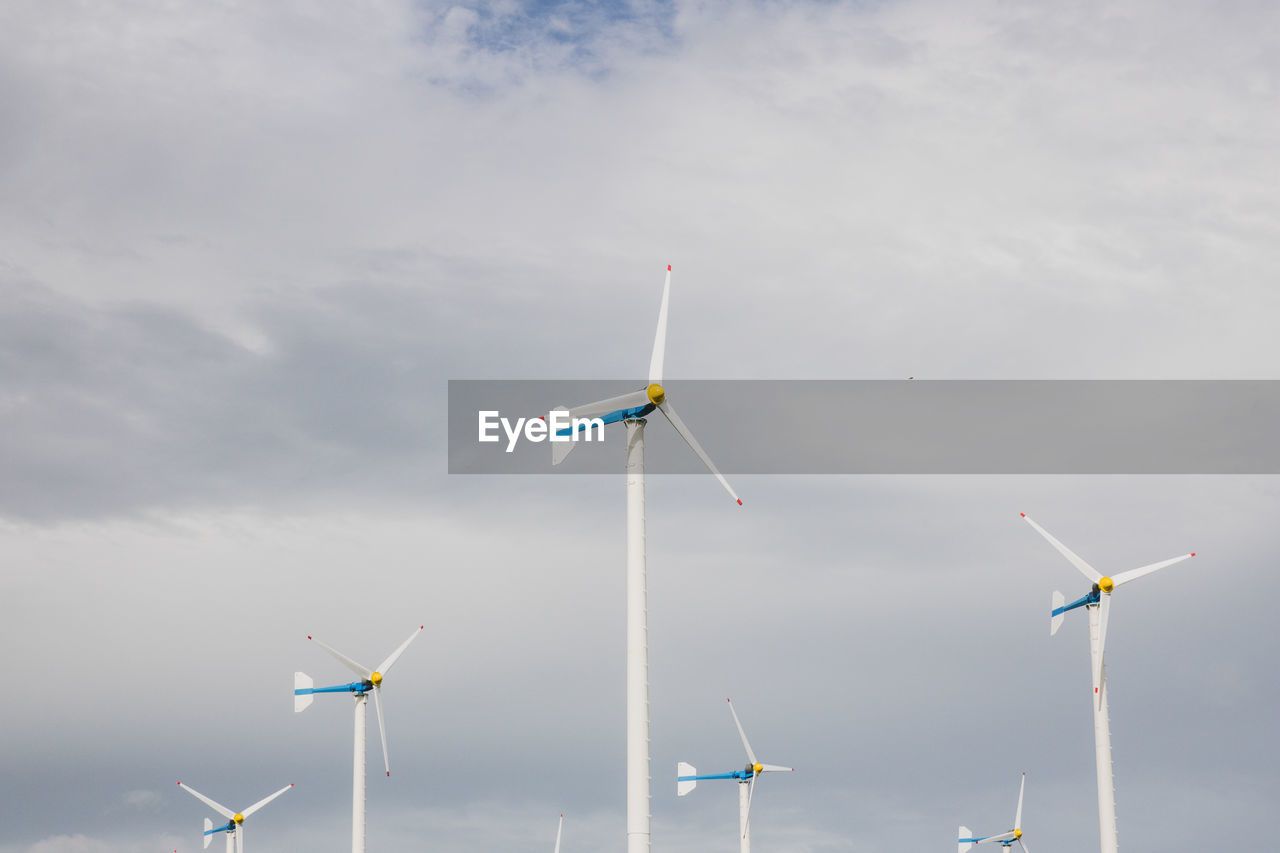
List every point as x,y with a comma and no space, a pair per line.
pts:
240,838
558,830
1134,574
666,409
1089,571
660,339
613,404
774,768
1099,667
1023,845
750,755
382,728
359,670
386,665
217,807
260,803
1004,836
1017,817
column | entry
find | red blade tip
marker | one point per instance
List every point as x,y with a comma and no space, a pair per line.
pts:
740,504
1193,553
668,267
1023,514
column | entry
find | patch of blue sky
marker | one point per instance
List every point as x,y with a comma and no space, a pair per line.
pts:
577,27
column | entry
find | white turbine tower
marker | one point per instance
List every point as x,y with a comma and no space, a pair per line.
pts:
1098,604
631,409
370,682
1004,839
234,827
687,779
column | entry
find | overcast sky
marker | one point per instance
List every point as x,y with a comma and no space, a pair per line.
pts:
243,247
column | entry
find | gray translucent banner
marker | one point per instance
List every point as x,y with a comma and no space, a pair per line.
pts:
892,427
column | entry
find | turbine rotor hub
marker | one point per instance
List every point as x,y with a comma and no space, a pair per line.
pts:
239,818
656,394
375,679
1106,584
756,768
1017,833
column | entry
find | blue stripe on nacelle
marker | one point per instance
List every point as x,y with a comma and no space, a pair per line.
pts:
737,774
230,825
1091,598
357,687
612,417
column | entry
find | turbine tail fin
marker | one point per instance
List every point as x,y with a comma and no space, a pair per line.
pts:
684,786
561,449
302,701
1055,621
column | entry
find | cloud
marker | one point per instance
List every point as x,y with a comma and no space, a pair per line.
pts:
245,247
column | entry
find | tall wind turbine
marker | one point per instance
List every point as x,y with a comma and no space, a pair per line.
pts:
687,779
234,827
1004,839
304,691
631,410
1098,604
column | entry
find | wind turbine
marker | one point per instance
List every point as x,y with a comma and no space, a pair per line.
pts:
631,410
234,827
1004,839
1098,604
304,691
687,779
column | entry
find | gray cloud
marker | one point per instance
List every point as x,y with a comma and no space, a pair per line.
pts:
245,247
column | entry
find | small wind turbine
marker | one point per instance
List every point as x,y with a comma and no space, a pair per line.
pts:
1004,839
304,691
631,410
687,779
234,827
1098,604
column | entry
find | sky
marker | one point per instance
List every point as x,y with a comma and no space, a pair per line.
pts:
244,247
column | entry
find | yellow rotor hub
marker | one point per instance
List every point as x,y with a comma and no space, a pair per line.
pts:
239,818
1017,833
1106,584
757,768
656,394
375,678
